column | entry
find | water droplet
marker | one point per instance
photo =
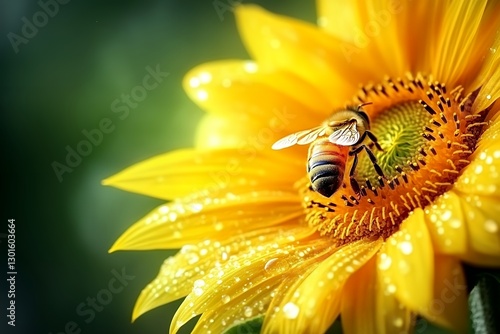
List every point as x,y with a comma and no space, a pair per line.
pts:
488,97
391,288
202,95
493,50
291,310
248,312
226,299
199,283
406,247
250,67
205,77
397,322
385,262
276,266
455,223
446,215
219,226
198,291
194,82
491,226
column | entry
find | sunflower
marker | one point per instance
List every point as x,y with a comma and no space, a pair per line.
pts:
256,242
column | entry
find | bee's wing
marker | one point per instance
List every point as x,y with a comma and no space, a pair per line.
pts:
346,135
299,138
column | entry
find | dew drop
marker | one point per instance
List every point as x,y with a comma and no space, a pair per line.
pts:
391,288
198,291
397,322
291,310
194,82
385,262
276,266
491,226
406,247
226,299
219,226
205,77
250,67
202,94
248,312
493,50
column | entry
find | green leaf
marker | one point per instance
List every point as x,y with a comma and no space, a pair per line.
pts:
484,303
252,326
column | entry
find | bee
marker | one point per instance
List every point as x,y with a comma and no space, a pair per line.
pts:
340,136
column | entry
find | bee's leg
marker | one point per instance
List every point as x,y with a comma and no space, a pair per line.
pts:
374,139
354,184
373,159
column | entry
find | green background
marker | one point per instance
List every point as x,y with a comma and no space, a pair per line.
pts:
62,82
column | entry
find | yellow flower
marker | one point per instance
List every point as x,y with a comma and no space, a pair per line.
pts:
255,240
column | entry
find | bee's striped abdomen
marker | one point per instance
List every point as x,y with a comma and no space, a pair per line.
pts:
326,166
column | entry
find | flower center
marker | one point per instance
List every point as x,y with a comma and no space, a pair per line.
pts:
426,133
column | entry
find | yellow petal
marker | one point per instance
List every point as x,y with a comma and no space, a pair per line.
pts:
179,273
187,221
179,173
261,266
446,223
253,92
315,303
340,18
358,306
488,78
368,308
482,176
407,262
482,216
456,40
313,55
448,307
415,35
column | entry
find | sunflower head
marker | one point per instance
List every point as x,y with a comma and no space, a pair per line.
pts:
368,217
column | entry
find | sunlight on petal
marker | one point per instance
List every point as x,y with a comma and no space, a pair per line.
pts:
181,172
315,303
258,267
287,43
175,224
454,44
448,308
446,223
407,261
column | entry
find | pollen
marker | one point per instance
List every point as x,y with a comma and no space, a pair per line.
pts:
427,134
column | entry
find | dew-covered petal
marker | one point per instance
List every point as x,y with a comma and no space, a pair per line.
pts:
240,276
482,216
391,316
254,92
181,172
446,223
359,303
179,273
407,260
313,55
448,307
482,176
451,53
489,76
314,304
188,220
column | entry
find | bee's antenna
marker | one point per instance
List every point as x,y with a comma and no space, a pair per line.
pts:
363,104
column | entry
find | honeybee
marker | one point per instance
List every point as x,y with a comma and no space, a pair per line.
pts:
340,136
